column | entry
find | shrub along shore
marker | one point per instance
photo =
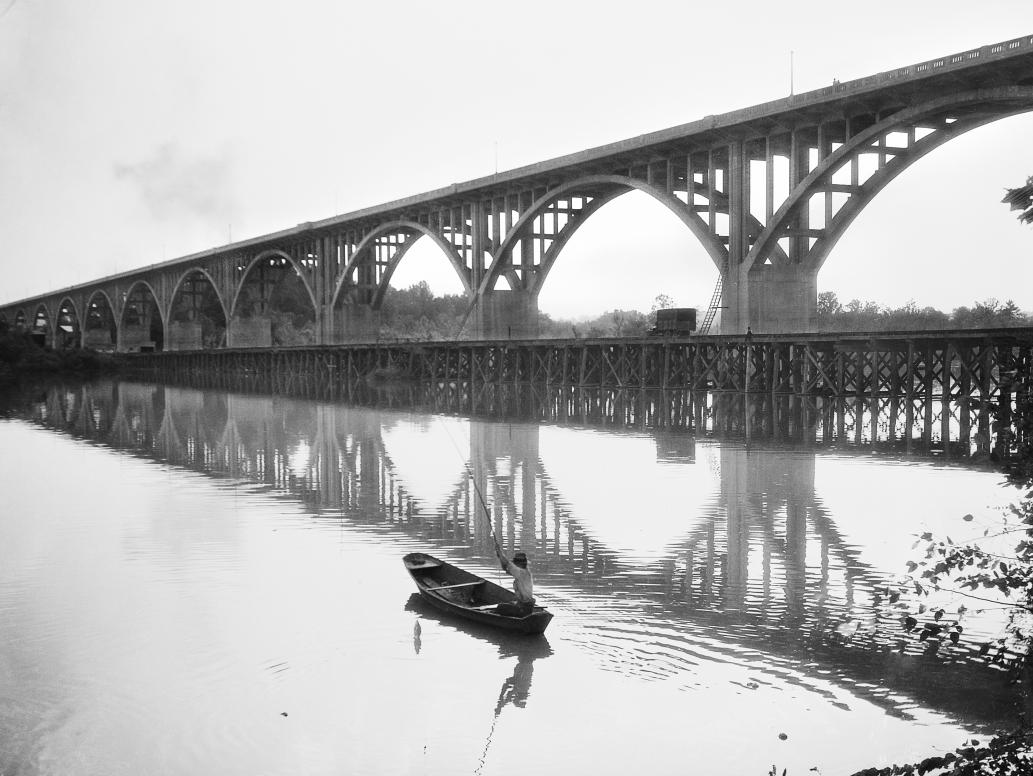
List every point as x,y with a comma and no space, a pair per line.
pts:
21,355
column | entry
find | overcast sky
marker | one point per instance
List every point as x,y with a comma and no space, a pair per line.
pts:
133,131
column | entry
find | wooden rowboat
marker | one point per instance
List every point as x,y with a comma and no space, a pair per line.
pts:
452,590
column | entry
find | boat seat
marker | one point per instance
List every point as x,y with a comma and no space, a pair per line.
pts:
458,584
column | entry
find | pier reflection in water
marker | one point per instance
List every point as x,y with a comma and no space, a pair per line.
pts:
667,558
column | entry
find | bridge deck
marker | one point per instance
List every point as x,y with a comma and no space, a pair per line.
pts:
966,388
1013,333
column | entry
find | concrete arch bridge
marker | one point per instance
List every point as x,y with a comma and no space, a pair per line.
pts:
768,191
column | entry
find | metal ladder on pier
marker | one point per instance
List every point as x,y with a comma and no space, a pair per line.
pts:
715,305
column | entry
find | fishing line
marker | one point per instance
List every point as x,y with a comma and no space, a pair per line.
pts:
487,744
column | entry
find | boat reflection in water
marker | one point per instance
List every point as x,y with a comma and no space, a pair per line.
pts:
525,648
516,688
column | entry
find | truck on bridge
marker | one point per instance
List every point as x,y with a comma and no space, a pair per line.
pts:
675,320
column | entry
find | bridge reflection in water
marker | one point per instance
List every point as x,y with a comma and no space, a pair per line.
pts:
743,548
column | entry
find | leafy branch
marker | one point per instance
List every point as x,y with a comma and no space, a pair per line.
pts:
1006,755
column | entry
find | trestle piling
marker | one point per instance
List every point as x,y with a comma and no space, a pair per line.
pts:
915,388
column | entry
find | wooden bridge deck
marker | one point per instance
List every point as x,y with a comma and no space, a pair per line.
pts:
836,364
961,386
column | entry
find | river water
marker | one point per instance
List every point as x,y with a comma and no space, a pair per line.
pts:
207,582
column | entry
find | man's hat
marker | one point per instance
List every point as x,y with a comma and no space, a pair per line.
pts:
520,557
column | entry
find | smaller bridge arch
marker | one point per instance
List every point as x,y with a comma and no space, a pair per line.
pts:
197,313
43,324
274,304
100,327
141,325
68,325
381,251
363,284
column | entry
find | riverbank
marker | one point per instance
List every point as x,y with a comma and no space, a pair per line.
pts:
21,355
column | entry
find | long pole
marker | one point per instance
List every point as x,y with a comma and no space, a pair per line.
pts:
477,490
484,506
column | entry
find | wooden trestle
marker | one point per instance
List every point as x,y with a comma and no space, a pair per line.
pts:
944,386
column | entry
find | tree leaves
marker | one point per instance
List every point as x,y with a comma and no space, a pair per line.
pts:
1009,753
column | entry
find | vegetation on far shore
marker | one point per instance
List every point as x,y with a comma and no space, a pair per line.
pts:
22,355
416,313
858,315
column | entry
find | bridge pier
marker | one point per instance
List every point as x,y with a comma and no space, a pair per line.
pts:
135,338
98,339
185,335
506,315
355,323
770,299
253,332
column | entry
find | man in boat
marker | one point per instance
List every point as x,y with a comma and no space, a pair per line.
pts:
523,584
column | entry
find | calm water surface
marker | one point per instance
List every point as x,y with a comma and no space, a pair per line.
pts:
200,582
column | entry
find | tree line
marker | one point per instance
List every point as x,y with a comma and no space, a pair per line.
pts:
858,315
416,313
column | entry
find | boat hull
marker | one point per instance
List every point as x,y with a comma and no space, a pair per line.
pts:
453,591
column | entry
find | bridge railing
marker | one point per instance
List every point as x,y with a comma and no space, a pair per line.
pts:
919,70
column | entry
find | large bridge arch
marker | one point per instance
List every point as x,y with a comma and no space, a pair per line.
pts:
823,247
955,225
505,265
773,285
271,280
20,320
141,324
948,114
585,196
197,312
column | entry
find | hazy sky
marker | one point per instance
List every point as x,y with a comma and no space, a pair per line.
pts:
133,131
